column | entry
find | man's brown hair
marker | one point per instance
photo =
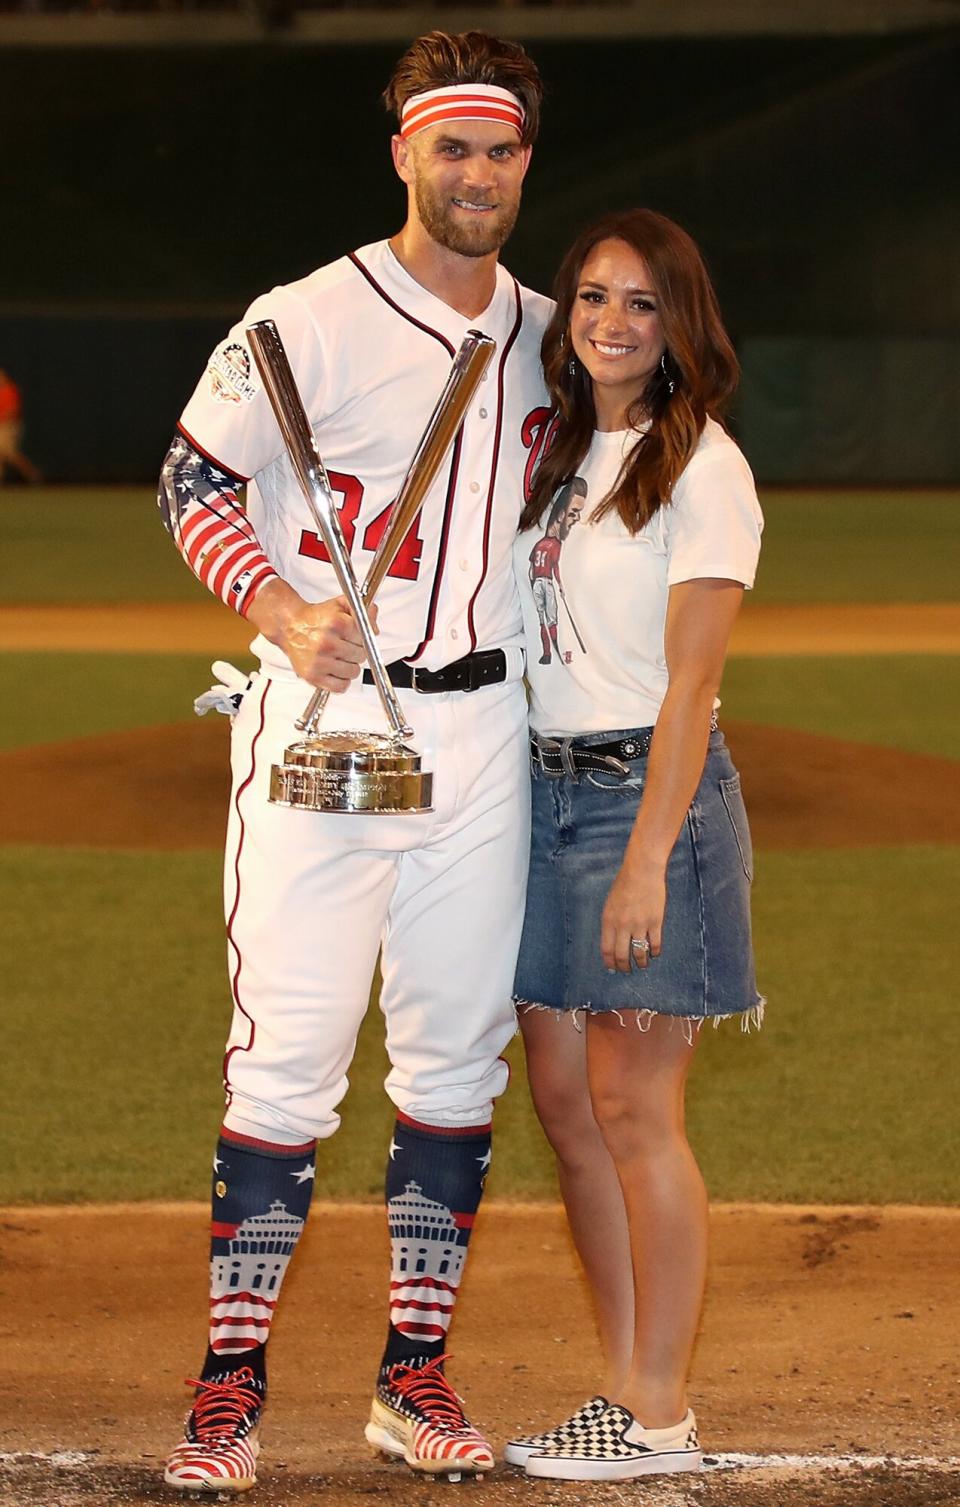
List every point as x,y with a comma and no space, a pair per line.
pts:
469,57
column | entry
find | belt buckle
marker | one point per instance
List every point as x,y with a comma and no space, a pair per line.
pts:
540,749
415,671
567,751
616,766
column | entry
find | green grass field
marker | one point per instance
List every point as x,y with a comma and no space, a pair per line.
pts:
81,544
115,997
113,1036
897,700
52,698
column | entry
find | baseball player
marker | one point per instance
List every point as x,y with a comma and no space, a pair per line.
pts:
311,898
544,568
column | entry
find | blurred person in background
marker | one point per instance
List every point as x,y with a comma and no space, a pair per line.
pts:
637,926
12,457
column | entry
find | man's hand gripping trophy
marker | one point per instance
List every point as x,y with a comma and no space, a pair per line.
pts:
352,771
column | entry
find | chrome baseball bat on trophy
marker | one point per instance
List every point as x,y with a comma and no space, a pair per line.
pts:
350,771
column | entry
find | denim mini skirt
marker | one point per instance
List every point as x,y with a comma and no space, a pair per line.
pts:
581,824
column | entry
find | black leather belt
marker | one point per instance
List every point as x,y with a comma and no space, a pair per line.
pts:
557,757
489,667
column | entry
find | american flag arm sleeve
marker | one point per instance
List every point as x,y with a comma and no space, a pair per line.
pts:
201,511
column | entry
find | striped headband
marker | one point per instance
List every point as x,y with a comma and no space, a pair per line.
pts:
461,102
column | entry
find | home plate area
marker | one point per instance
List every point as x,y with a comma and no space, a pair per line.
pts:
825,1372
67,1477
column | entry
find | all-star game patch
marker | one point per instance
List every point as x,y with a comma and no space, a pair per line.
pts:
229,370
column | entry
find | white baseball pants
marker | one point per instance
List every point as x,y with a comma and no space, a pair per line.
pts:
310,898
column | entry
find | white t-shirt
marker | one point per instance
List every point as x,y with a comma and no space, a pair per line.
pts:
370,351
594,596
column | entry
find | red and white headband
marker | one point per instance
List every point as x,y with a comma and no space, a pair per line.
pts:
461,102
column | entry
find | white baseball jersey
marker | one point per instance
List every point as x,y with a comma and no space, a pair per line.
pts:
370,351
310,897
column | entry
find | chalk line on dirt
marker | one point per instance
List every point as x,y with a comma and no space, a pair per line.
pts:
61,1459
791,1463
66,1459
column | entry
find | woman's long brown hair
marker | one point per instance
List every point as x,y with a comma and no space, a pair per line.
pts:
699,360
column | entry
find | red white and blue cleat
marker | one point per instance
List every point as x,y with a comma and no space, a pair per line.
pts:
418,1417
220,1444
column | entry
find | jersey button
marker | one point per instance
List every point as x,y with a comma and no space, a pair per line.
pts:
453,633
483,413
474,486
464,564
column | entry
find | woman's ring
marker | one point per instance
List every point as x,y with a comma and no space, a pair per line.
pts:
639,944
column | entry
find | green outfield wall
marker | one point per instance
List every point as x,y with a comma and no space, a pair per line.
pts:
148,194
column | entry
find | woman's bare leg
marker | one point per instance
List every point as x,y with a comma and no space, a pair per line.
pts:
637,1081
557,1069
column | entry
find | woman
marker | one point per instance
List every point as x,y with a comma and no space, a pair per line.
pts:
641,533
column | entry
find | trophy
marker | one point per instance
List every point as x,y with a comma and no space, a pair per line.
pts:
349,771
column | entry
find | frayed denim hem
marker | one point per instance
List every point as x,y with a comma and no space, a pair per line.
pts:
750,1019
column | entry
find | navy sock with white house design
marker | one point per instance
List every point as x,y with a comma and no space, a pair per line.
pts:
435,1177
261,1195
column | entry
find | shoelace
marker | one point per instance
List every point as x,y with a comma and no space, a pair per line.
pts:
222,1406
427,1388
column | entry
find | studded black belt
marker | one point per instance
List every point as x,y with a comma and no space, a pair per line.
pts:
560,756
488,667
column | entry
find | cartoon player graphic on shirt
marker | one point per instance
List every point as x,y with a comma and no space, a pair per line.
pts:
545,579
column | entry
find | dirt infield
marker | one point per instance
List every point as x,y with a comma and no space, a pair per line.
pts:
166,788
828,1333
204,627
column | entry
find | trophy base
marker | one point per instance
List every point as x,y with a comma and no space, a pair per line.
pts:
351,773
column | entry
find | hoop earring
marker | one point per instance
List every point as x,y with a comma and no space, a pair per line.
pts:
671,385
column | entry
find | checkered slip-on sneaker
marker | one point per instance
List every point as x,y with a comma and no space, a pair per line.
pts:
615,1447
518,1451
418,1417
220,1444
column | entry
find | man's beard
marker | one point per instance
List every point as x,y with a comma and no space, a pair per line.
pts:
439,220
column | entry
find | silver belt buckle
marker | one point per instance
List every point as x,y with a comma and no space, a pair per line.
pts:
616,766
541,746
566,759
